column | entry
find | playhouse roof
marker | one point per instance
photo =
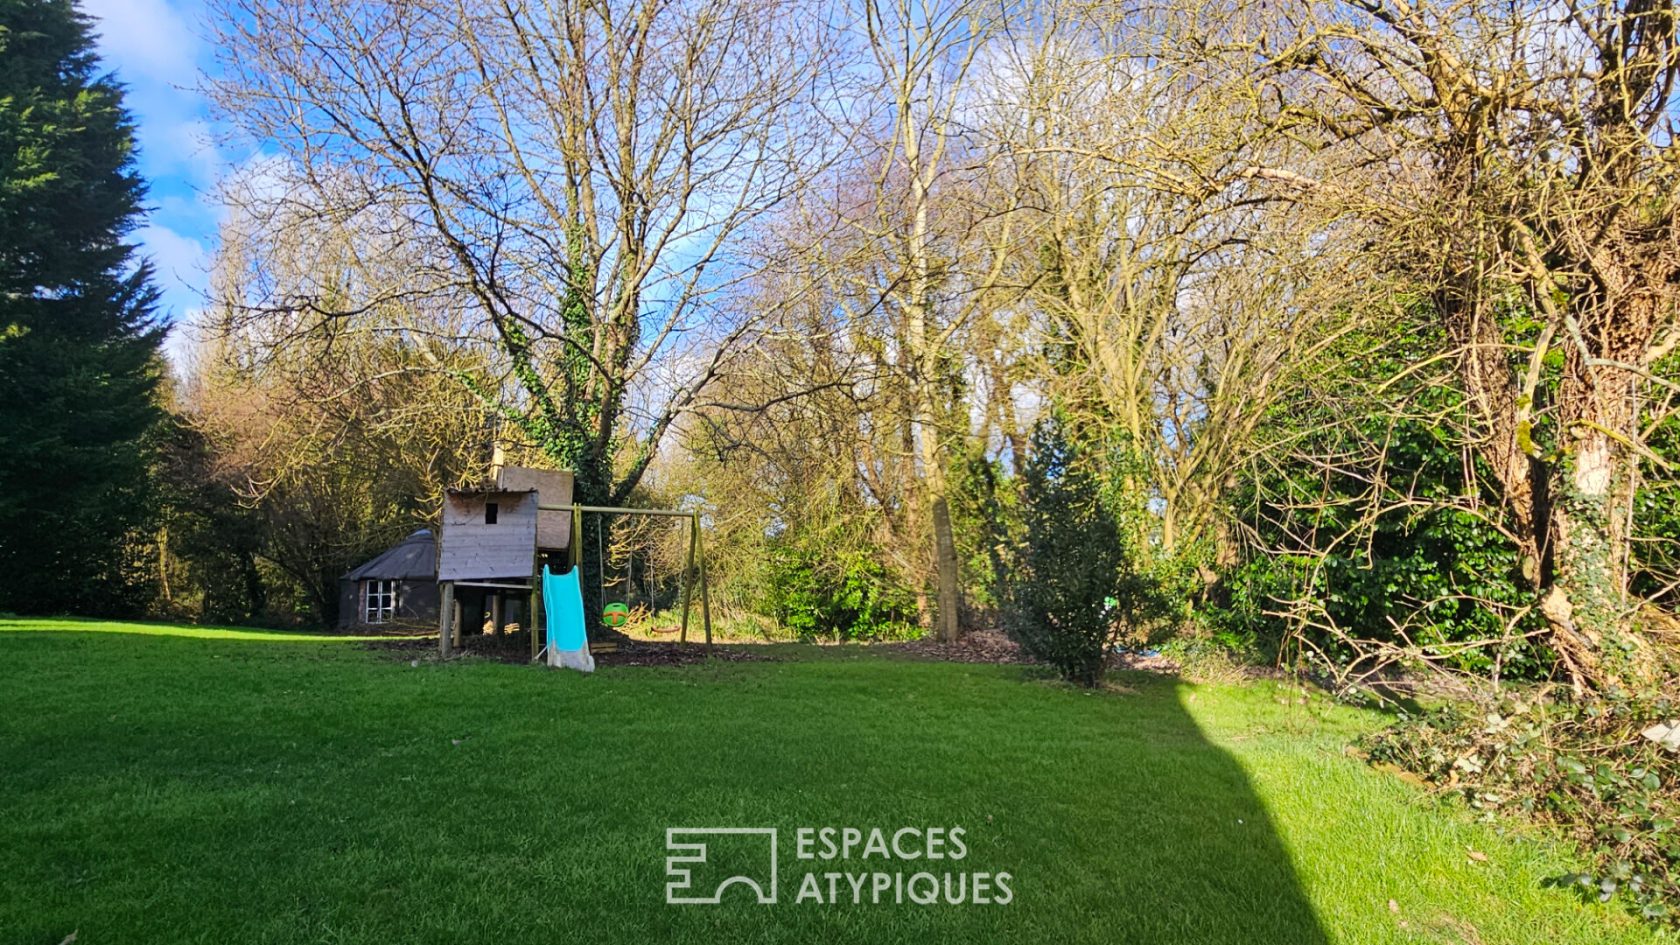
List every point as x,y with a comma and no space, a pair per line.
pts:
413,558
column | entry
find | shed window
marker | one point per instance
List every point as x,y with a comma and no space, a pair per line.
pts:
379,601
490,510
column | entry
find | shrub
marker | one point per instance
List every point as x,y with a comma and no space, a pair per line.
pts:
1064,591
843,594
1403,547
1582,767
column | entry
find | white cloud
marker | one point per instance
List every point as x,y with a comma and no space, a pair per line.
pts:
146,40
194,142
261,178
154,50
181,263
151,47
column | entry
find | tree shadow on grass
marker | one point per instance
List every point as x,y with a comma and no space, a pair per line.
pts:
1197,840
1117,819
1183,847
150,628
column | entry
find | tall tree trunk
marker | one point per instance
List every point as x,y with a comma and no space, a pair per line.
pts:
592,484
1591,529
945,550
936,500
164,591
925,366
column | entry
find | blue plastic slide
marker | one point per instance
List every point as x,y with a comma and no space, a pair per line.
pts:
568,639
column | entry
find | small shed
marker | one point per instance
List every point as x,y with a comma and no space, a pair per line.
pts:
397,588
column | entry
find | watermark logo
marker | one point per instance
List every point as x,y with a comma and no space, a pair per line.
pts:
693,849
838,866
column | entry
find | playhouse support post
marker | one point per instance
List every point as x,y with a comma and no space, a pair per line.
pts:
705,585
534,611
688,572
446,613
497,611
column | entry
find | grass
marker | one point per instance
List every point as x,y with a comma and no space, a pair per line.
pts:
141,628
189,785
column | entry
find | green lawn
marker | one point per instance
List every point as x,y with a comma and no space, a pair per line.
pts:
209,786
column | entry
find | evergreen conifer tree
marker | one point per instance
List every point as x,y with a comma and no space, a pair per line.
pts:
79,363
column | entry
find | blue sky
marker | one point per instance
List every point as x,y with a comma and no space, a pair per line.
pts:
156,48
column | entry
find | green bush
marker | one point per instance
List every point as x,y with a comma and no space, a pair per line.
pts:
1065,589
841,594
1425,551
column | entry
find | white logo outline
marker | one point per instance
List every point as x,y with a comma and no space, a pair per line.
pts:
681,878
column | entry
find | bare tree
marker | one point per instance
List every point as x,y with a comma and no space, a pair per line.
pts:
922,51
341,434
1517,159
1174,302
579,177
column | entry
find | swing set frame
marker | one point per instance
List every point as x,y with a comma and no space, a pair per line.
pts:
694,571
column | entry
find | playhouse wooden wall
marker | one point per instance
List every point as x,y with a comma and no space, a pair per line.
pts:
472,548
553,487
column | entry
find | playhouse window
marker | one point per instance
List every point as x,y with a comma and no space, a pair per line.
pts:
379,601
490,510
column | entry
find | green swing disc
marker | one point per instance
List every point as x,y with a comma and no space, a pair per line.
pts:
615,615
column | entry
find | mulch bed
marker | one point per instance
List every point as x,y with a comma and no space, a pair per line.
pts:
516,648
647,653
975,646
991,646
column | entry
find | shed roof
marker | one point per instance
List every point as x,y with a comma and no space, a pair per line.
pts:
413,558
